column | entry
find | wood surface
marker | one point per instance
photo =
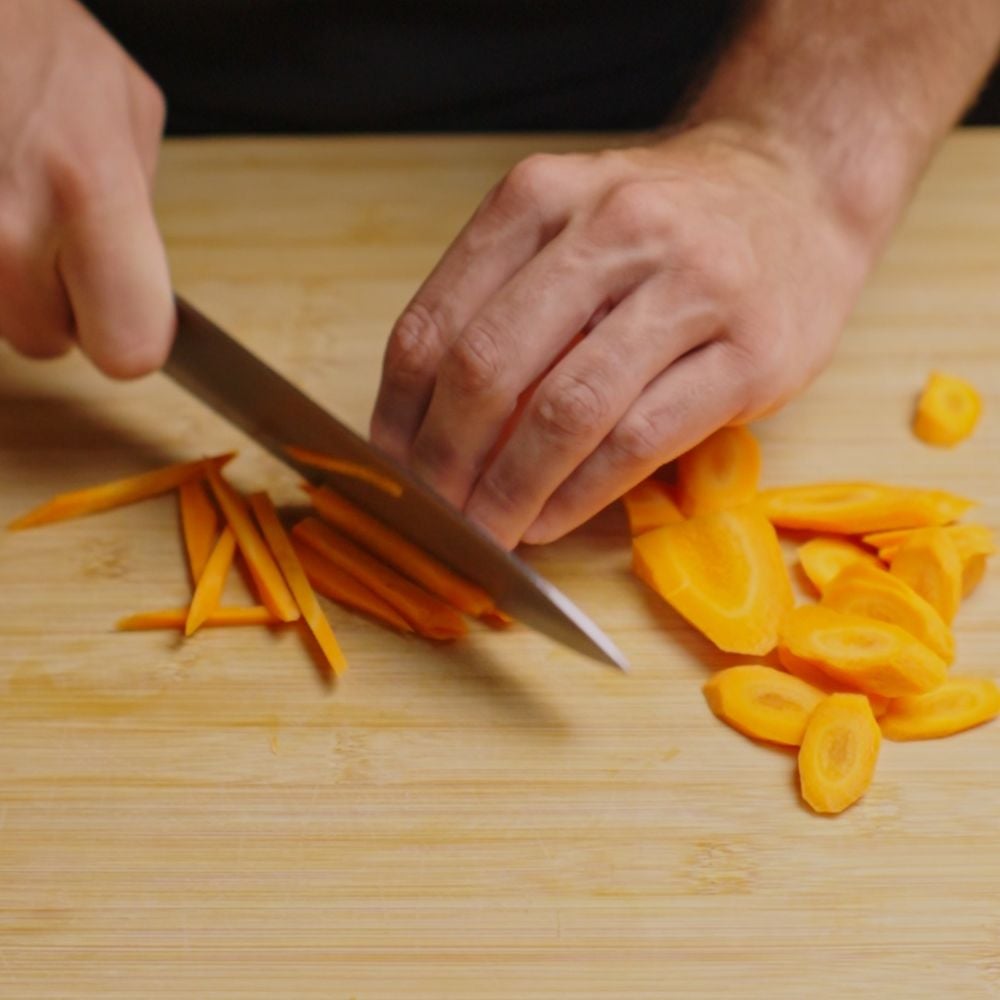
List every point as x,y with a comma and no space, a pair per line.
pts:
498,818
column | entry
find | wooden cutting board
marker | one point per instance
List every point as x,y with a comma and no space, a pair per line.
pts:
495,819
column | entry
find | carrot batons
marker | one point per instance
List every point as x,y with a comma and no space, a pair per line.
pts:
650,505
723,572
823,558
199,525
838,753
947,411
762,702
872,656
958,704
208,593
352,470
930,564
176,618
722,471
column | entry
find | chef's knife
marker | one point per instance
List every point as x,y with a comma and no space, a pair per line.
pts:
236,384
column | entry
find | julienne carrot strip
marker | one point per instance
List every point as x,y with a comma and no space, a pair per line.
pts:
176,618
270,583
399,553
208,593
118,493
428,615
199,525
342,467
295,577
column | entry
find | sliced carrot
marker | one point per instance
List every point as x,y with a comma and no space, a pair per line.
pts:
212,581
337,584
722,471
723,572
858,508
343,467
427,614
947,411
875,593
958,704
762,702
823,558
649,505
496,619
266,575
838,753
118,493
295,576
806,671
930,564
199,525
176,618
872,656
399,553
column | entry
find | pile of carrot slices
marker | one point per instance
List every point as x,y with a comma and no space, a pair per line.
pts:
343,553
870,658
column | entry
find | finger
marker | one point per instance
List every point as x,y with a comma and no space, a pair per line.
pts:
147,113
579,402
695,396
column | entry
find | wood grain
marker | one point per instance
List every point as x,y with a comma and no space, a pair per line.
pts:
495,819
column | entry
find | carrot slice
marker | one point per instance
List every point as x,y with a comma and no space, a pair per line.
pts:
208,593
199,525
930,564
428,615
875,593
958,704
176,618
823,558
806,671
857,508
333,582
947,411
274,594
118,493
399,553
860,652
838,753
762,702
353,470
723,572
723,471
295,576
649,505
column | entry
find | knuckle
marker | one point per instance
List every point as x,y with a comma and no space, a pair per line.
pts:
474,363
532,179
637,439
414,346
152,101
497,493
633,212
573,407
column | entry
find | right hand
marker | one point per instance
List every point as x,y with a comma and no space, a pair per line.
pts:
81,258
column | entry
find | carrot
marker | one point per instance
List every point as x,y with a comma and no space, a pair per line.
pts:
266,575
333,582
931,565
723,572
428,615
872,656
958,704
947,411
295,576
858,508
496,619
353,470
176,618
838,753
649,505
399,553
723,471
208,592
811,674
762,702
823,558
199,524
875,593
117,493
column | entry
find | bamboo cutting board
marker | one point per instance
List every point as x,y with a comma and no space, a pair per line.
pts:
496,819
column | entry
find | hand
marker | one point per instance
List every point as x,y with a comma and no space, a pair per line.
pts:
80,255
713,278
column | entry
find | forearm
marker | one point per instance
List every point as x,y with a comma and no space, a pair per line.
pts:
862,90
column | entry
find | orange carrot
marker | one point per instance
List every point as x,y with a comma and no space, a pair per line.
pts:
930,563
947,411
176,618
208,593
722,471
823,558
117,493
649,505
295,577
353,470
958,704
811,674
199,524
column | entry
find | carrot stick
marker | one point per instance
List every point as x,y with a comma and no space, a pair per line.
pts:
345,468
176,618
428,615
399,553
295,577
208,593
117,493
199,524
270,584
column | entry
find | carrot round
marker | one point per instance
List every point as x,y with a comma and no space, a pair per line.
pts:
958,704
823,558
199,525
947,411
649,505
176,618
930,564
340,466
811,674
722,471
208,592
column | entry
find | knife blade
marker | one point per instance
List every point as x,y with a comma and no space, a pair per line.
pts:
218,370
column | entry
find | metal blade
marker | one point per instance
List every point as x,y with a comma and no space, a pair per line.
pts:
232,381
